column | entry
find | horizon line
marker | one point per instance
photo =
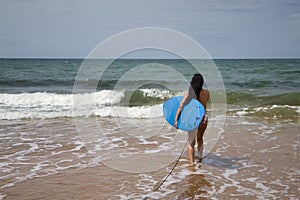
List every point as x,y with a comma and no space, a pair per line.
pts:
157,58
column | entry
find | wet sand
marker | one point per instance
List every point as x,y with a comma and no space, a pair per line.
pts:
254,159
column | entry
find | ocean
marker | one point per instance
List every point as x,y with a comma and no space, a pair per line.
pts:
106,137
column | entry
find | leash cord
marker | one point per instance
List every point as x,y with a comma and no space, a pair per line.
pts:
172,168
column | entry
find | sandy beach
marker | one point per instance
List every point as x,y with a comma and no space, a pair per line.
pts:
253,159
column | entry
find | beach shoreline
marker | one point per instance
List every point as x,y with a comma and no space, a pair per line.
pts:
251,160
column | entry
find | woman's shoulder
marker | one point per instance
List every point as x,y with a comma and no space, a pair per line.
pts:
205,93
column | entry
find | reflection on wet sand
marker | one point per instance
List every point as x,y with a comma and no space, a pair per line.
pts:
197,185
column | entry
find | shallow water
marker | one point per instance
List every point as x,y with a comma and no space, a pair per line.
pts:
254,159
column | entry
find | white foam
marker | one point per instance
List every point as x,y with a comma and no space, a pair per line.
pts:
50,105
2,196
130,112
157,93
242,112
246,111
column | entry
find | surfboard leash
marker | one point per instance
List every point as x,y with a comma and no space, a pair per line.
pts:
164,180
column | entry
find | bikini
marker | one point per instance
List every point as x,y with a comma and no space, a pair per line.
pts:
205,118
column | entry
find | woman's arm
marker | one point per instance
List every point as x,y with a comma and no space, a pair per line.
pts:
185,97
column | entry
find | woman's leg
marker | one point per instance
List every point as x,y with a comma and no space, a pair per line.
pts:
200,134
191,138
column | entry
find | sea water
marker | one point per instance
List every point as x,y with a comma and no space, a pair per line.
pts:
43,88
43,155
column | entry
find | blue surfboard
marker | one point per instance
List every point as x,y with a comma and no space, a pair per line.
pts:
191,114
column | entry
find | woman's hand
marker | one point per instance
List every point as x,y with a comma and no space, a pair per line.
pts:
176,124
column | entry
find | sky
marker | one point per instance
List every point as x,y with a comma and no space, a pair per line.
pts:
225,28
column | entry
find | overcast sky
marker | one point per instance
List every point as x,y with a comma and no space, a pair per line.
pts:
225,28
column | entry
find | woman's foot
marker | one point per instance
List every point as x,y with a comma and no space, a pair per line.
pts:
199,160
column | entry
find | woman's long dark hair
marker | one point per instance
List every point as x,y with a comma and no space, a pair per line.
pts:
195,87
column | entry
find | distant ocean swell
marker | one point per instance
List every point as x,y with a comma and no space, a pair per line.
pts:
37,82
292,99
142,103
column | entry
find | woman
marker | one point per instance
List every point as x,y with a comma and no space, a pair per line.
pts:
195,92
